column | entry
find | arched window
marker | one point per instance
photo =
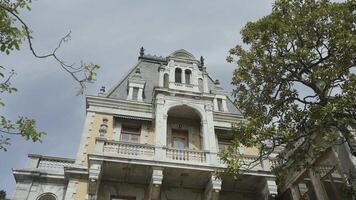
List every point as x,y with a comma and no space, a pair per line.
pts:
47,196
187,76
165,80
178,75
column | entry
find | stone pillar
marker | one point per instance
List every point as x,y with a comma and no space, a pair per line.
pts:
318,187
224,104
160,129
70,190
154,189
205,81
140,94
212,189
183,75
94,179
269,189
129,96
295,192
209,135
216,107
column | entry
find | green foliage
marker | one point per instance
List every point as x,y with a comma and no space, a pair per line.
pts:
2,195
13,32
295,80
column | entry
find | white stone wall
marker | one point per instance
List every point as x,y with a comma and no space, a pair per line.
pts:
28,190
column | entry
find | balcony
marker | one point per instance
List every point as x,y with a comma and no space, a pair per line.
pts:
146,152
129,150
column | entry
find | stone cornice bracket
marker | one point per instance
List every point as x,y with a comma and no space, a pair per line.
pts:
155,184
94,178
269,191
213,188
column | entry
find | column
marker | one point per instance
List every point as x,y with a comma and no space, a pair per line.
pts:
216,107
154,189
295,192
205,81
160,129
213,188
129,96
140,94
94,179
209,134
183,75
317,185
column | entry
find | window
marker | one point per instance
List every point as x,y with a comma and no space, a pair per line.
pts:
130,133
135,93
220,105
179,139
178,75
47,196
165,80
187,76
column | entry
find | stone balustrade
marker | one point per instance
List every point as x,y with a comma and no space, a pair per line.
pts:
49,163
186,155
132,150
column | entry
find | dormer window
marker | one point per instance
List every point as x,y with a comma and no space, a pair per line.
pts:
178,75
188,74
136,85
135,93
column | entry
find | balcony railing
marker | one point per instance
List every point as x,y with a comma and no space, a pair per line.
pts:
131,150
54,164
186,155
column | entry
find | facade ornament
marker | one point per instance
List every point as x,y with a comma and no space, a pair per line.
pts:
217,82
102,91
103,127
201,61
142,52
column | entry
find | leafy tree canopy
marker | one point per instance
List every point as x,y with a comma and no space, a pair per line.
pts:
13,33
295,79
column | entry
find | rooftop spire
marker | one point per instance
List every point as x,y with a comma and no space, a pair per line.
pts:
142,52
202,61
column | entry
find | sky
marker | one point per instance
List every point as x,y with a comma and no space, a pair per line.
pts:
110,34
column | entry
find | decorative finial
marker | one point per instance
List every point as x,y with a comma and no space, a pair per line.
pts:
103,127
142,52
138,70
217,82
201,60
102,90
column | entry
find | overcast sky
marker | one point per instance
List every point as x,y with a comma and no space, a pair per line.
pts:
108,33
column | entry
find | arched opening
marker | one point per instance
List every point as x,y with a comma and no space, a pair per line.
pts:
187,74
47,196
184,128
178,75
165,80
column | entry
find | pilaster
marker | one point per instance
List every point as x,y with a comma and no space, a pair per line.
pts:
317,185
154,189
94,179
213,188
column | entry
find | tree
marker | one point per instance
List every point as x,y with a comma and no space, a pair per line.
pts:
13,32
295,80
2,195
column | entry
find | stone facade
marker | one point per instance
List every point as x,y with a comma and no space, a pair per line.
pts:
154,135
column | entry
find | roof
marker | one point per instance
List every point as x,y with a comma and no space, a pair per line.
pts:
149,71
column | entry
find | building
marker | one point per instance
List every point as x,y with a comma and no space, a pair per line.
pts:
330,176
154,135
